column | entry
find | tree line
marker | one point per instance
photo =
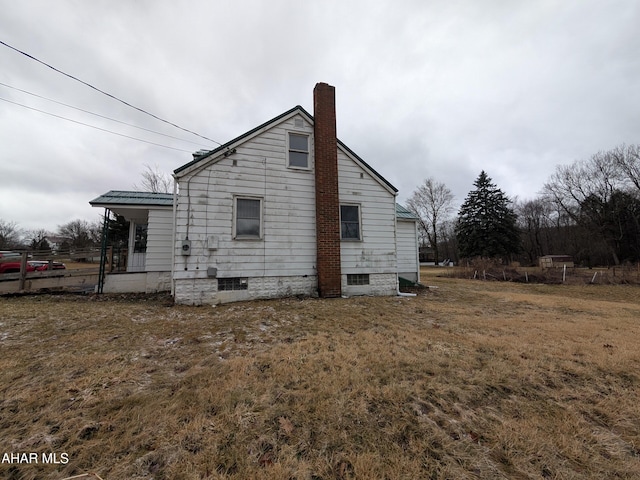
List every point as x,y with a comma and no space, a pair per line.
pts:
589,210
74,235
82,234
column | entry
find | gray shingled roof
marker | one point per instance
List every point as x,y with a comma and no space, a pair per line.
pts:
118,197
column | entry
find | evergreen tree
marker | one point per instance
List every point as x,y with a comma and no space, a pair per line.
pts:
118,235
486,222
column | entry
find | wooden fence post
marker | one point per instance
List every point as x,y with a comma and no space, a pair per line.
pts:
23,270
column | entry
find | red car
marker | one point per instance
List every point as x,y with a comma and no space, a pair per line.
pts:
10,263
41,265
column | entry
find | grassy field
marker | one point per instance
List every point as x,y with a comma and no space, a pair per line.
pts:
472,379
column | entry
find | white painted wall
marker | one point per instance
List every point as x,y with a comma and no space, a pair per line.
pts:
198,291
257,169
159,240
407,247
284,260
138,282
375,253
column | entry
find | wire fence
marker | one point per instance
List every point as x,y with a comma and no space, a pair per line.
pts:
620,274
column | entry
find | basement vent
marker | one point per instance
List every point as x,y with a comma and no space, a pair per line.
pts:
229,284
358,279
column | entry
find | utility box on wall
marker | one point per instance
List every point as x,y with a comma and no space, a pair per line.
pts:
186,247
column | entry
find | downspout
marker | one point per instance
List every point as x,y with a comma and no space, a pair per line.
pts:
417,249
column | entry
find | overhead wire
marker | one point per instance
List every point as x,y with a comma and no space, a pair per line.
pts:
106,93
93,126
101,116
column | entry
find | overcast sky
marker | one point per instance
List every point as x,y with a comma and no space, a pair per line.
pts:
424,88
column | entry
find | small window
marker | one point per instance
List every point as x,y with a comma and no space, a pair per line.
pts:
248,218
350,222
358,279
230,284
298,150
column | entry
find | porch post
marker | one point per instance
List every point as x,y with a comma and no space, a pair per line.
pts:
103,250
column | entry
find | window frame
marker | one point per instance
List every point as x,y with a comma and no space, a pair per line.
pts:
358,279
237,236
290,149
233,284
352,239
141,236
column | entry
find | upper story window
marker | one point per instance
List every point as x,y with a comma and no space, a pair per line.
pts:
350,222
248,218
298,150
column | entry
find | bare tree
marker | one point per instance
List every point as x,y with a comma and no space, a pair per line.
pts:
571,185
535,220
9,235
431,202
154,181
80,233
598,195
627,159
37,240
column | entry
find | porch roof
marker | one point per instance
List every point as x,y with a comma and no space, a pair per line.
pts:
121,198
404,214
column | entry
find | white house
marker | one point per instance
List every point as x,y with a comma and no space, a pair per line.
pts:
285,209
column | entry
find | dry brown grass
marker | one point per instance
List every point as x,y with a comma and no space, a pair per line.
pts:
469,380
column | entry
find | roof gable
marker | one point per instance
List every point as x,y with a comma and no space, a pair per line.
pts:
209,156
385,183
217,152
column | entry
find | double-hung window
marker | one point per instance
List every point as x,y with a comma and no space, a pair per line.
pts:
298,150
248,218
350,222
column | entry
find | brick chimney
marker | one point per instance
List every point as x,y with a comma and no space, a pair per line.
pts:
327,200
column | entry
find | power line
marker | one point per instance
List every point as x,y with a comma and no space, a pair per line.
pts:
105,93
101,116
93,126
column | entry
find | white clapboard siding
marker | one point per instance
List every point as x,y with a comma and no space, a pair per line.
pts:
257,169
159,241
376,252
407,246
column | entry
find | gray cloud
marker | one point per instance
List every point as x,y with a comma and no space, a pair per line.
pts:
436,88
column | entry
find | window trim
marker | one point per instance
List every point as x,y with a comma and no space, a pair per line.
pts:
141,237
233,284
308,151
358,279
235,217
359,206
